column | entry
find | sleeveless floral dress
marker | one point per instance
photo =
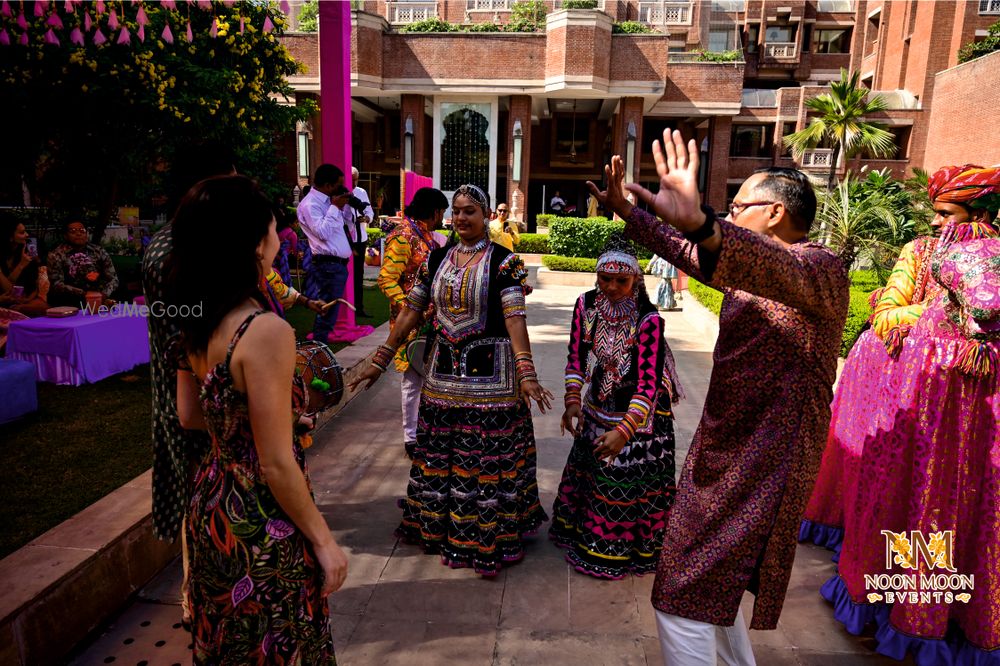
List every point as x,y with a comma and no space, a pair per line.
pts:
255,583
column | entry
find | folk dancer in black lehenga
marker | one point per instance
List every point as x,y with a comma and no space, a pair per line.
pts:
618,483
472,494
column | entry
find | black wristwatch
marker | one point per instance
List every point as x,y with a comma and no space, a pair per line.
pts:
705,231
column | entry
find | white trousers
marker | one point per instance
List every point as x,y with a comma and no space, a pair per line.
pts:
409,388
691,643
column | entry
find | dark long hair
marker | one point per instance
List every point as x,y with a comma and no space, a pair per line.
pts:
216,231
10,256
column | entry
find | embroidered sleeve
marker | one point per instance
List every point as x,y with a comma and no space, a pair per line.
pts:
805,276
397,254
894,309
512,272
285,294
420,295
576,369
512,301
645,229
640,408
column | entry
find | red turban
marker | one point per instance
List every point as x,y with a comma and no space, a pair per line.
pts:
971,185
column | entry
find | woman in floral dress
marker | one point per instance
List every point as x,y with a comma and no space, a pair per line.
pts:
262,557
472,494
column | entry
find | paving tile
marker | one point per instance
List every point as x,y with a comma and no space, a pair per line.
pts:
409,642
517,647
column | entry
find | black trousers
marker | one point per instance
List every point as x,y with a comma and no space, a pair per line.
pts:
359,275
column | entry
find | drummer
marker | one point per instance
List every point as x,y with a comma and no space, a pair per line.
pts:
406,248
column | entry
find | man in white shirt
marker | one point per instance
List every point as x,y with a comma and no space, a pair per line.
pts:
358,222
322,219
556,204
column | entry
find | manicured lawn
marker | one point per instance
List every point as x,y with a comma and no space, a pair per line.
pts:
85,441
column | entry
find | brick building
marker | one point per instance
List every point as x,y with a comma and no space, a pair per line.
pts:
526,114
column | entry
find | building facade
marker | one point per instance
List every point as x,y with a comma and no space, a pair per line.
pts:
527,114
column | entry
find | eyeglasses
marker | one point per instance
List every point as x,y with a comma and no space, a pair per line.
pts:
736,208
76,230
501,210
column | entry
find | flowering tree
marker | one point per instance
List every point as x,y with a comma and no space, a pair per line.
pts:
98,95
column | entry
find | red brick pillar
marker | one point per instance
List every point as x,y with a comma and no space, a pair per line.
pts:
412,107
520,112
630,110
718,162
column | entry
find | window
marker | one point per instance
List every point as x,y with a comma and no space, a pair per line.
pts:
901,138
834,6
757,98
829,40
729,5
784,34
303,155
989,6
871,33
751,141
753,36
721,40
732,189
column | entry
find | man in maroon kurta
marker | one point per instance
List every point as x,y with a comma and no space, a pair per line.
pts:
755,455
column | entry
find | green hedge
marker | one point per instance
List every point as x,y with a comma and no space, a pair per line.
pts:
858,310
579,4
544,220
533,244
585,237
630,28
554,262
374,236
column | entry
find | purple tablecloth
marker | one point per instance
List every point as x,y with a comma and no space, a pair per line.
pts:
81,349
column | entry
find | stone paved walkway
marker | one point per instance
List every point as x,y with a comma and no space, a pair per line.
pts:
400,606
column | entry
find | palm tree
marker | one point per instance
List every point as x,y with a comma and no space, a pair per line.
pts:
841,123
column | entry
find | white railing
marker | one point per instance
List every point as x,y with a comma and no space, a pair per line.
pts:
989,6
820,158
779,50
665,12
488,5
410,12
835,5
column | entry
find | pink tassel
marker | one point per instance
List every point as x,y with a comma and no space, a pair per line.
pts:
229,3
99,37
76,37
169,4
205,5
141,18
190,33
978,359
141,33
55,21
124,37
23,41
268,26
4,37
213,32
100,7
22,22
166,35
243,24
39,9
285,8
5,9
113,20
68,7
50,38
87,22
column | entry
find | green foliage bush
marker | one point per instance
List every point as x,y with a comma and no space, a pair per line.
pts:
555,262
527,16
483,27
720,56
533,244
707,296
544,220
374,236
579,4
584,237
430,25
630,28
974,50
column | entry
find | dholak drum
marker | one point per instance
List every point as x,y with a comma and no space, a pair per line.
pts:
322,375
416,354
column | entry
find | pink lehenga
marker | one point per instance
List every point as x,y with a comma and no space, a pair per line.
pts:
931,463
862,384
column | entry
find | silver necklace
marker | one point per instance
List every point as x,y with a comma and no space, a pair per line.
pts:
475,247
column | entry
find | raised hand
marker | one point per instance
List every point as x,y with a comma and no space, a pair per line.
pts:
614,197
678,202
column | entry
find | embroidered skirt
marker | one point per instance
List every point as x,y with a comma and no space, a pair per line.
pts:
610,519
473,494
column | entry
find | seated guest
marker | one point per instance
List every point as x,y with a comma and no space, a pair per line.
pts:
19,272
77,267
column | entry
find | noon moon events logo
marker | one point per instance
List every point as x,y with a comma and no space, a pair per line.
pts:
928,570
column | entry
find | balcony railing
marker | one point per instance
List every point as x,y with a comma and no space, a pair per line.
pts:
779,50
665,12
989,6
820,158
488,5
400,13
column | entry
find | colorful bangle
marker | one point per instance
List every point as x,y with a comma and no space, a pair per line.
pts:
383,355
522,355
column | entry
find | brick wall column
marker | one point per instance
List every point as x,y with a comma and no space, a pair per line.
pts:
412,106
520,110
629,110
718,162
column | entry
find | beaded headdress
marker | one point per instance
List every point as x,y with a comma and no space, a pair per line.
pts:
475,193
618,256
